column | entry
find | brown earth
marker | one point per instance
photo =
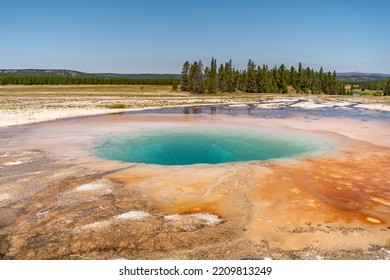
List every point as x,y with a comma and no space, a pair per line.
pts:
58,201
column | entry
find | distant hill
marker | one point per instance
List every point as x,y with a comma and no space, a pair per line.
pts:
361,77
43,72
73,73
346,77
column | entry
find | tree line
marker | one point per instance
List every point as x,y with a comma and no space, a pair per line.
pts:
386,88
196,78
55,80
370,85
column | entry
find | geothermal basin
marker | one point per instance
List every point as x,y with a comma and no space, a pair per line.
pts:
198,183
208,145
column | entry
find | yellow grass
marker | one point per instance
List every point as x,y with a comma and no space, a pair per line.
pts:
86,88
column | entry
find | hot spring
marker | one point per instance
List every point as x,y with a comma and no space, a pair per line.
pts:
200,145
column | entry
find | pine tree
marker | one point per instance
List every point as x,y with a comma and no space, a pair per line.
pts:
260,80
199,84
192,76
299,78
236,79
243,78
229,77
184,76
212,76
386,90
269,82
321,80
251,77
293,77
327,83
221,79
281,79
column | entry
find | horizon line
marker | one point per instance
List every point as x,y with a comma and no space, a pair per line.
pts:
165,73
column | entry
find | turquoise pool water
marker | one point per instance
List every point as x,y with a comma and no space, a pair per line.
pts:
185,146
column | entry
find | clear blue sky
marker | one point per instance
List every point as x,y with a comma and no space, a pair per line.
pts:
158,36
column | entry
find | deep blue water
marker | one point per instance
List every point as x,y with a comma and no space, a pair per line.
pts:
184,146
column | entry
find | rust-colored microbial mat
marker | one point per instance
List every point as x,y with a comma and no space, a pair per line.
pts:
59,201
